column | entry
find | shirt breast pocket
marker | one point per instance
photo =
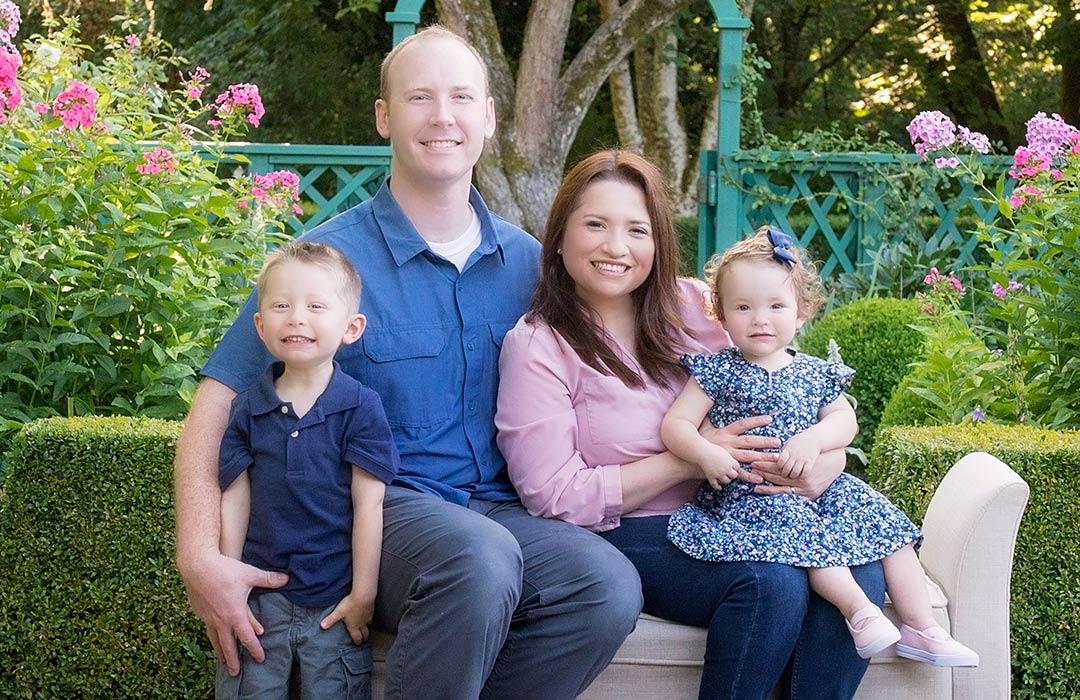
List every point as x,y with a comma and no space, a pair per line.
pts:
411,372
608,403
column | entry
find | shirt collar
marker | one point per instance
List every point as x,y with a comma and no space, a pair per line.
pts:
405,242
339,395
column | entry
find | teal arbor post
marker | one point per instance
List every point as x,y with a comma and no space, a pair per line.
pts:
404,18
719,200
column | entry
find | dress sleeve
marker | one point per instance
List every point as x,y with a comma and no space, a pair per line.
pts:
837,376
537,425
234,455
369,444
705,370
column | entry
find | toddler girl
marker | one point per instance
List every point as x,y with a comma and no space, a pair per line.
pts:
763,293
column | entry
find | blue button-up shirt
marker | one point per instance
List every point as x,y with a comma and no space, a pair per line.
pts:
431,349
299,468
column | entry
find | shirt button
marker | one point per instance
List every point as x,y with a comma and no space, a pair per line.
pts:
472,344
472,405
295,433
284,409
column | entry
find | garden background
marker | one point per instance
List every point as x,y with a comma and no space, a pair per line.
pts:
126,259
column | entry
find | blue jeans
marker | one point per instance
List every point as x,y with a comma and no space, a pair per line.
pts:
759,616
490,602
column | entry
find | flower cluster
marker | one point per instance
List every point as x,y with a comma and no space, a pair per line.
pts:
944,293
1049,136
196,82
10,94
75,105
157,160
1002,292
279,190
10,20
239,101
933,131
132,42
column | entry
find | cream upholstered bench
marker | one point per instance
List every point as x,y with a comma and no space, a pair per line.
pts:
970,532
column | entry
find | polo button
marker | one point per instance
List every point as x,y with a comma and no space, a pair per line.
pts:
284,409
295,433
472,405
472,345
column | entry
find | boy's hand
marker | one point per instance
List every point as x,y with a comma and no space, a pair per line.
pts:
355,613
798,455
719,466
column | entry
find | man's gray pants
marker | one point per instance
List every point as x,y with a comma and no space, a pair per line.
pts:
490,602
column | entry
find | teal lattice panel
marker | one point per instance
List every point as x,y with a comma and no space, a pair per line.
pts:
332,178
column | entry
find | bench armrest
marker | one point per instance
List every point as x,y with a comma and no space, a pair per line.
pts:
970,534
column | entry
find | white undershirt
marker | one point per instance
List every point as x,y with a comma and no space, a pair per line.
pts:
459,249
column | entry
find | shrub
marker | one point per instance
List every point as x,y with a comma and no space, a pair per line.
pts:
875,339
908,463
126,259
91,605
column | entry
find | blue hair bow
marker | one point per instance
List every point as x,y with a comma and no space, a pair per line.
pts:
782,245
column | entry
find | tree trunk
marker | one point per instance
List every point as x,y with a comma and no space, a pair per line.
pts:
1070,90
540,113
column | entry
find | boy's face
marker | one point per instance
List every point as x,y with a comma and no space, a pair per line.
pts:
437,114
302,317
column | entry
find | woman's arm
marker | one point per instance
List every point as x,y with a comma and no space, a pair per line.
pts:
538,435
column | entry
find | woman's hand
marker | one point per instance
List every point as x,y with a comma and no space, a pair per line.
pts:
811,484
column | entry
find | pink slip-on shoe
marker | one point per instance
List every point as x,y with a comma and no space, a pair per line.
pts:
872,631
934,646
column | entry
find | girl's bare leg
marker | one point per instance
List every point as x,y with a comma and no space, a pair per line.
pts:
836,585
906,583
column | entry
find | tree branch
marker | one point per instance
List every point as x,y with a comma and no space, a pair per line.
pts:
621,86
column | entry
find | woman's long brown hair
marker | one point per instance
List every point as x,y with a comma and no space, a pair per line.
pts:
656,301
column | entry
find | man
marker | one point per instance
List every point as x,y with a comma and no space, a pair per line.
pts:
486,600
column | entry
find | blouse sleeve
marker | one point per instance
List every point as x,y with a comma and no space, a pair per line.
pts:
537,425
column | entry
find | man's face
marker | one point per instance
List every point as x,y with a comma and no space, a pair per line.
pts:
437,114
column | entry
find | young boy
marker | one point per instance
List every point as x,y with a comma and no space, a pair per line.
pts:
303,467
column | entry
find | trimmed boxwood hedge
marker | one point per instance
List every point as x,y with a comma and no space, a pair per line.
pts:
91,605
907,464
876,339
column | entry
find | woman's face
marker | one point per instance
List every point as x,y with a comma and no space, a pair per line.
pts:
608,247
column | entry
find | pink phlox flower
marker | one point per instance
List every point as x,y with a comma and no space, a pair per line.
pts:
978,142
931,131
279,189
157,160
196,82
1013,285
956,284
927,308
10,92
1023,193
947,163
932,277
41,107
1057,174
1028,163
241,99
1048,136
1074,149
243,204
132,41
213,123
75,105
999,291
10,20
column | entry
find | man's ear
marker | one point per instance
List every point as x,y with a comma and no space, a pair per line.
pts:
382,118
355,329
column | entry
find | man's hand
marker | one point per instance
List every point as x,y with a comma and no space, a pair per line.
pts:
218,589
355,613
810,484
744,448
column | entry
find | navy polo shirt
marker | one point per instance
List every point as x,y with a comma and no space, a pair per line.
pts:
299,467
431,350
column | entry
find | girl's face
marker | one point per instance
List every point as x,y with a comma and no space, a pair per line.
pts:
760,309
608,247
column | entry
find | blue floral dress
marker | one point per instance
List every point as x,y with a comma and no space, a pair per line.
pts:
848,525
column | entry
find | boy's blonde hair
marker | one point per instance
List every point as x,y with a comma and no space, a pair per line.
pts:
434,31
327,257
809,293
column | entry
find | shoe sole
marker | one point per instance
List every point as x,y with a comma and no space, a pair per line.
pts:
880,644
915,654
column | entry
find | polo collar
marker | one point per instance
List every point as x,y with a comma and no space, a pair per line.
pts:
402,238
339,395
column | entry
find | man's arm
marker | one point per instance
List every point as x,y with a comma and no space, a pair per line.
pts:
217,586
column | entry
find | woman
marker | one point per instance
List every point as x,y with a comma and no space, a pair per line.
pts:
585,380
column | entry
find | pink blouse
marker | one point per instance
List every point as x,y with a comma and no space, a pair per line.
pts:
566,429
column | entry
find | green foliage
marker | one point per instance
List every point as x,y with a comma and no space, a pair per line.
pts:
877,341
91,605
907,464
120,274
896,269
